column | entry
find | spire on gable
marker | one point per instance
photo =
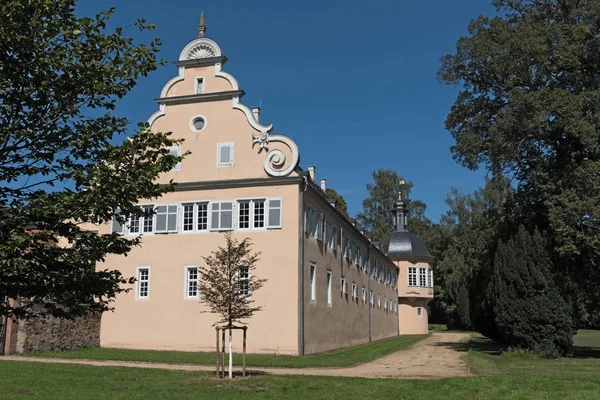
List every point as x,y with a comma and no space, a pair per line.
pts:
202,26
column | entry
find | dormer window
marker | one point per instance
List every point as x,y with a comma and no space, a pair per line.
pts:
199,85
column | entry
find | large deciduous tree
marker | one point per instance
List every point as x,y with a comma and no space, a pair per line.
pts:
529,107
62,163
376,215
227,281
339,200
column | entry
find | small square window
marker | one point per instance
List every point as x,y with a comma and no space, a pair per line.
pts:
199,85
419,311
224,154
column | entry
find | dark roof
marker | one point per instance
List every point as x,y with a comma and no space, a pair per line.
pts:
404,245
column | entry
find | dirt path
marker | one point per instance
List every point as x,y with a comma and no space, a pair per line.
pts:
433,358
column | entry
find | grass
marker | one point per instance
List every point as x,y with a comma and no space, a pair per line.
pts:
338,358
508,375
443,328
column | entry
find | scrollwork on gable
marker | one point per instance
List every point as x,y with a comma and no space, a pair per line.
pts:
276,162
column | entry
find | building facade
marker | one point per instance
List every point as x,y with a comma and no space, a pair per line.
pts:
328,286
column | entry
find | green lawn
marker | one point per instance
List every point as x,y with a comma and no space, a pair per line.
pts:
21,380
507,375
337,358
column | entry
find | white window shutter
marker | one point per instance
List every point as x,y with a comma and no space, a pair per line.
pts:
275,213
161,218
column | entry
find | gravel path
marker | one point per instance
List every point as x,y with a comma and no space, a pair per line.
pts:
439,356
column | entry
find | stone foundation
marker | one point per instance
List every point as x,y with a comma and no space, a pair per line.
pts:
56,334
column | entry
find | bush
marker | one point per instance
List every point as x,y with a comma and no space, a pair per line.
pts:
529,310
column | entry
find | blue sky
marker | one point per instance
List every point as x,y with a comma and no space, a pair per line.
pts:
352,82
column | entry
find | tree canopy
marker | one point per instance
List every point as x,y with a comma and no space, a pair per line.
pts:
339,200
65,162
529,108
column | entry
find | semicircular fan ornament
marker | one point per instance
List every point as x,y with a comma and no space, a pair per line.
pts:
200,51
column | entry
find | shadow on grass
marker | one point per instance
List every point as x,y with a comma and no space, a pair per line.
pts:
482,345
585,352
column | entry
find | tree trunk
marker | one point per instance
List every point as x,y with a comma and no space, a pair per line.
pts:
230,356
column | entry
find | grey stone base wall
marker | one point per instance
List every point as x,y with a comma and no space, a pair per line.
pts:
54,334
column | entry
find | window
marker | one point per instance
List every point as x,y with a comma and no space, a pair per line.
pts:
224,154
175,151
197,124
188,218
314,223
194,217
423,277
385,303
319,235
143,283
243,280
379,301
199,85
313,283
329,287
117,227
274,220
166,218
419,311
221,216
364,295
354,291
251,214
134,224
148,224
343,287
191,282
430,277
372,299
330,235
412,276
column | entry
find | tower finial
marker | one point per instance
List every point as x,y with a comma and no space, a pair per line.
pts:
401,187
202,26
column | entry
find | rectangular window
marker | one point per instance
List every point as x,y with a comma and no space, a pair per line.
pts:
224,154
430,282
313,283
354,291
274,220
343,287
412,276
188,218
194,217
331,235
148,220
166,218
259,214
175,151
385,303
134,224
117,227
244,215
329,287
423,277
199,85
222,216
379,301
243,280
191,282
319,232
372,299
364,295
419,311
143,283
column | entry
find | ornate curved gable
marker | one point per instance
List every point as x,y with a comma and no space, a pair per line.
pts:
202,104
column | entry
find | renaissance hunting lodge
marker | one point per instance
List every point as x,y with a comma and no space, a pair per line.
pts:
328,285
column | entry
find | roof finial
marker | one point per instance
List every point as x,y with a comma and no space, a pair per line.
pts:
401,187
202,26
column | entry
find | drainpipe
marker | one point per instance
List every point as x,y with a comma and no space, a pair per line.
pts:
303,186
369,286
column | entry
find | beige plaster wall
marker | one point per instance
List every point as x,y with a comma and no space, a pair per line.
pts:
169,321
346,321
411,298
212,83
